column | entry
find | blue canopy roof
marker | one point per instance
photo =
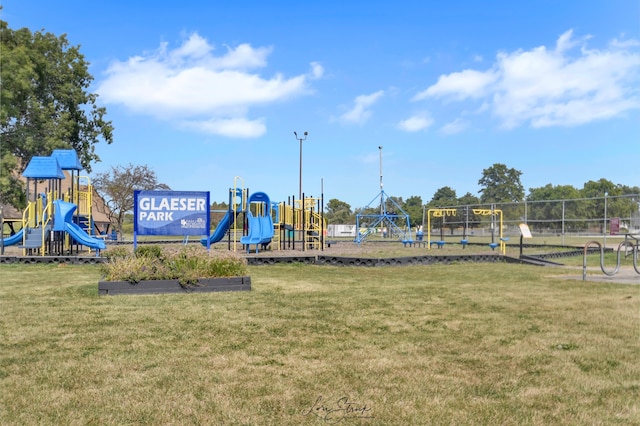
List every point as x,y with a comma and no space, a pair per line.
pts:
43,168
67,158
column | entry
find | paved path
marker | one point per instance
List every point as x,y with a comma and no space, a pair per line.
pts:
625,275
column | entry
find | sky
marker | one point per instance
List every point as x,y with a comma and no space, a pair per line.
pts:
427,94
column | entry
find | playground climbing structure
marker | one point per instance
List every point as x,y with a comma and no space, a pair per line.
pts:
385,214
299,222
44,230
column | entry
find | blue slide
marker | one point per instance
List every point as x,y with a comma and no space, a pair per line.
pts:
14,239
221,229
266,229
83,238
260,227
260,231
254,236
64,211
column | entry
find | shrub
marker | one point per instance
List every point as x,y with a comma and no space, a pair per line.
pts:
151,252
187,265
119,252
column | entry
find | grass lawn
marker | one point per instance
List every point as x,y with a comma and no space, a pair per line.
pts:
415,345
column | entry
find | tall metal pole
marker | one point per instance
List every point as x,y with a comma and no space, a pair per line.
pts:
300,175
381,185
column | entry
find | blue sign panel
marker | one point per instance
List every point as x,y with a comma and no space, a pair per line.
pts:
171,213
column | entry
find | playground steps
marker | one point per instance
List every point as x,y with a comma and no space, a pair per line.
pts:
83,222
312,240
33,238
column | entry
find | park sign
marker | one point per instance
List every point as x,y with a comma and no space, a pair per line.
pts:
171,213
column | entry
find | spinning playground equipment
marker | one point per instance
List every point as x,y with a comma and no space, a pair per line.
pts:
443,213
627,243
396,222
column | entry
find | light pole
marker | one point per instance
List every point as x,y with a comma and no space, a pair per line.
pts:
381,186
300,181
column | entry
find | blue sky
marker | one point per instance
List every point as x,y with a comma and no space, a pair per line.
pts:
202,92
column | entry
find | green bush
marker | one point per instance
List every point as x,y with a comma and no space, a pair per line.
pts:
186,264
150,251
120,252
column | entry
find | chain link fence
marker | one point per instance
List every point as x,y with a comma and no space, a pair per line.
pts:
608,215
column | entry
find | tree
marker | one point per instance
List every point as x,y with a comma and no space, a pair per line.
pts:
117,187
465,211
413,207
617,205
218,210
45,105
629,190
501,185
468,199
444,197
338,212
542,208
596,189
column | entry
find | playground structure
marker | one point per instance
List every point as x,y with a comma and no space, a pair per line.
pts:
259,221
443,213
56,222
393,224
229,225
252,219
390,222
300,221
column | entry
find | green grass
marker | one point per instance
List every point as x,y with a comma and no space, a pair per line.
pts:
455,344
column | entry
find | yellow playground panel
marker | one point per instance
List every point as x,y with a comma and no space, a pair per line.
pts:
453,212
303,218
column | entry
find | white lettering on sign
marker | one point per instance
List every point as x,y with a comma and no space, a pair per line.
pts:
162,209
174,204
156,216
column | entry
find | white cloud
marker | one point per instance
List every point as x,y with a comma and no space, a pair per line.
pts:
566,42
456,126
360,111
540,87
459,85
316,70
232,127
190,84
416,122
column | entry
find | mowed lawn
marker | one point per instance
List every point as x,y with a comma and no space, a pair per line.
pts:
416,345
